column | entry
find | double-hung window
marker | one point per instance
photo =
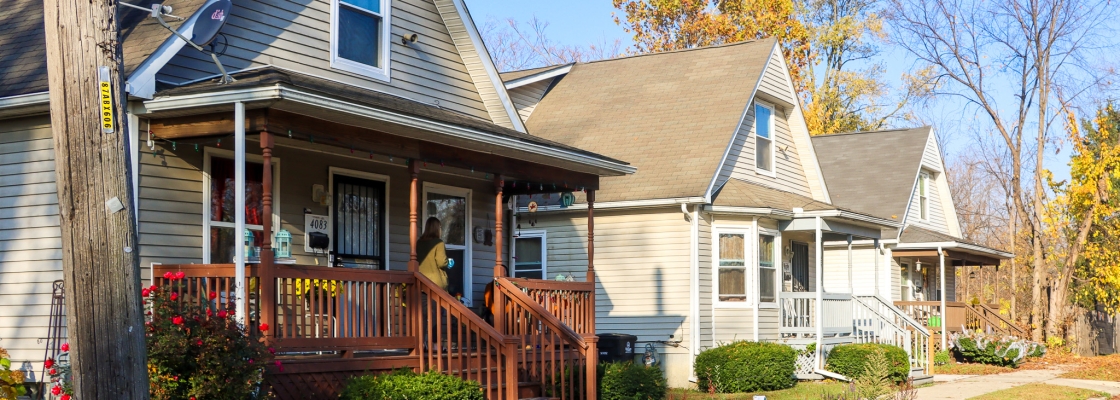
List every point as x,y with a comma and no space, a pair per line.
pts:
360,37
767,271
732,274
923,197
530,255
221,238
764,139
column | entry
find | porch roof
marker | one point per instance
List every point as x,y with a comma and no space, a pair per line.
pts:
349,105
917,241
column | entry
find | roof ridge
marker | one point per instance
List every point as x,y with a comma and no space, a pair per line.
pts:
632,56
875,131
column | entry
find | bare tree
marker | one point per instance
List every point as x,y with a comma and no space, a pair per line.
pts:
515,46
1007,60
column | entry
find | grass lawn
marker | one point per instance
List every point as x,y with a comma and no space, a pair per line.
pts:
1042,391
803,390
954,368
1102,368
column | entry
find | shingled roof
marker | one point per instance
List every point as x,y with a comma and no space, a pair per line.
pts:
915,234
23,55
739,193
669,114
872,172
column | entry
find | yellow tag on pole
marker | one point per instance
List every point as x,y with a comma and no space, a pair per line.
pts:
106,89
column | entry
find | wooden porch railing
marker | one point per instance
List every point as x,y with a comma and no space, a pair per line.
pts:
572,302
798,313
958,316
1001,323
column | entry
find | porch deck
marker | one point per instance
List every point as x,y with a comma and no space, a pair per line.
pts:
329,324
958,316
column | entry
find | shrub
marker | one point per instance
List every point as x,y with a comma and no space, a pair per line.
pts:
992,349
745,367
403,384
629,381
196,351
11,382
851,360
942,357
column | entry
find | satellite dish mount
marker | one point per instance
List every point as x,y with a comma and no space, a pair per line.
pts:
210,20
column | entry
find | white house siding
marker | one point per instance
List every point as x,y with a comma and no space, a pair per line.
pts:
478,63
641,270
526,97
171,203
295,34
863,270
775,81
895,278
707,322
732,324
936,211
30,239
740,164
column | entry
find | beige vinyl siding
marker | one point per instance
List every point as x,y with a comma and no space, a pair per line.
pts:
931,157
789,174
171,203
936,212
768,319
896,279
526,97
30,239
295,35
775,81
863,270
732,324
707,321
478,63
951,283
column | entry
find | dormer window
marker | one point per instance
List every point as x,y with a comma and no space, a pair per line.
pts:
360,37
764,139
923,197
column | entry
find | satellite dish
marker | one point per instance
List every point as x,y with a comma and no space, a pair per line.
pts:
210,21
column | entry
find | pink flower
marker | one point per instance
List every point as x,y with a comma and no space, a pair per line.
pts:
264,327
277,362
177,320
174,296
213,295
180,275
250,361
49,363
221,314
65,347
56,390
145,292
272,350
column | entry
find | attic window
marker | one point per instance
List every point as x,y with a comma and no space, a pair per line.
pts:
763,139
360,37
923,196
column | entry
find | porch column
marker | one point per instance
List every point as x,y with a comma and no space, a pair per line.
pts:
413,217
851,283
878,254
820,294
499,215
944,311
239,207
591,240
267,284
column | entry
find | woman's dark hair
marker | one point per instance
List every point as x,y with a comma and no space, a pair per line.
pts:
432,229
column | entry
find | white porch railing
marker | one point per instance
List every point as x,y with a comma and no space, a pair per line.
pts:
799,313
877,321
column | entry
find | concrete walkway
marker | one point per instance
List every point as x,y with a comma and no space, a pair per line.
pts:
968,386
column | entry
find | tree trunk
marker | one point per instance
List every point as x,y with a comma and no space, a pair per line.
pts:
105,324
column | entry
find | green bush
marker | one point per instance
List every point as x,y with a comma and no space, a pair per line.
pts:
992,349
403,384
629,381
942,357
851,360
742,366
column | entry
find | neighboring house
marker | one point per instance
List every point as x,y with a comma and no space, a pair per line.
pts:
353,131
905,181
718,235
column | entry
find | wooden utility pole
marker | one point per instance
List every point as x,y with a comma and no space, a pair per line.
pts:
105,324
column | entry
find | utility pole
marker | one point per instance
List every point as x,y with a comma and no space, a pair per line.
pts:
104,320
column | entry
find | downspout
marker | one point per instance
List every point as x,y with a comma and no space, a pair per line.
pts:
944,311
694,287
239,204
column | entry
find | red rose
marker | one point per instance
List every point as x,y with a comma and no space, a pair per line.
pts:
231,310
200,343
152,288
277,363
209,312
49,363
168,275
221,314
145,292
264,327
65,347
272,350
174,296
56,390
213,295
180,275
52,371
64,397
177,320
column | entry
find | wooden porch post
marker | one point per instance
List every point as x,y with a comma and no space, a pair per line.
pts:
413,217
499,265
592,340
266,304
591,241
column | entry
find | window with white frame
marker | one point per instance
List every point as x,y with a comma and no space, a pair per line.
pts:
923,197
220,226
767,271
732,273
530,255
360,37
763,138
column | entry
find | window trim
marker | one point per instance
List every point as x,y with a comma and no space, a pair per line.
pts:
211,152
754,129
337,62
331,172
468,251
543,235
777,268
752,297
923,196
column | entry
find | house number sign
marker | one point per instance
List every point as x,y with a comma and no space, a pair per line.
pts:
104,86
315,223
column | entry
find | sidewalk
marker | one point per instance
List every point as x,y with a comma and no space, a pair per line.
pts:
967,386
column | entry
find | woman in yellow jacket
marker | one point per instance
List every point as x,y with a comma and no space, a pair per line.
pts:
433,254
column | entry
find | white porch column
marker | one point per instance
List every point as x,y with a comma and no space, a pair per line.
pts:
944,311
239,208
851,283
820,295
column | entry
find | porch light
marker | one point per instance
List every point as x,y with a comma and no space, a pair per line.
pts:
918,266
283,244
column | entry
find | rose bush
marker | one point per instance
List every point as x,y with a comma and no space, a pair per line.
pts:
199,351
62,382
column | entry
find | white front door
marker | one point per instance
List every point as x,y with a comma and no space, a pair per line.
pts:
452,206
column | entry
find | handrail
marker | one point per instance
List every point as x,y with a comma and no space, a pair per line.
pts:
443,295
523,300
572,302
1000,317
911,322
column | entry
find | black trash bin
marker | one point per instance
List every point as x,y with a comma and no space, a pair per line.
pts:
617,347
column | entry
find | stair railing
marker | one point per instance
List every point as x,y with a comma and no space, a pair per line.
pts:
905,331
